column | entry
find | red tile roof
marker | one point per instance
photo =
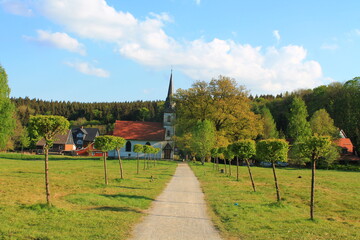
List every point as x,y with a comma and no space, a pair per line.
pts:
345,143
133,130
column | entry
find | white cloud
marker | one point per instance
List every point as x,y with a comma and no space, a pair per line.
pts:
277,36
88,69
17,7
59,40
269,70
197,2
327,46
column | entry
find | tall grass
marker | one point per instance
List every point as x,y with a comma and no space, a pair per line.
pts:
84,208
239,212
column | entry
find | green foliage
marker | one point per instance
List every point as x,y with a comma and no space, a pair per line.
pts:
269,124
215,152
299,127
315,148
7,111
105,143
119,142
203,138
272,150
138,148
228,153
47,127
147,149
322,124
244,149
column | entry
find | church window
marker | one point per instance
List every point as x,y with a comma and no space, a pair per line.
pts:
128,146
148,144
168,133
169,118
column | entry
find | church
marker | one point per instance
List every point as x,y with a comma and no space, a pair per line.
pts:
157,134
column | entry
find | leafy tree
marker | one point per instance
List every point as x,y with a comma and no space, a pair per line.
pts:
245,149
7,110
147,150
215,154
273,150
105,143
269,124
299,127
322,124
119,143
47,127
313,149
229,155
203,139
138,148
222,102
143,114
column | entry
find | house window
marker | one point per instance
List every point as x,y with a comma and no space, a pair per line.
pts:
79,135
168,133
148,144
169,118
79,142
128,146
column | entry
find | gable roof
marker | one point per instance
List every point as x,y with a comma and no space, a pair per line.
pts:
345,143
134,130
66,138
90,133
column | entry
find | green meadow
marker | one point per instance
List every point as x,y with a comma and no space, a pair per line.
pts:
83,206
240,213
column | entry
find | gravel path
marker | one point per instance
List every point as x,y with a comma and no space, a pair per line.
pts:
179,213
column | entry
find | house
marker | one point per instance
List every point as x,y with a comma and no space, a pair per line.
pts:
348,154
157,134
62,142
83,137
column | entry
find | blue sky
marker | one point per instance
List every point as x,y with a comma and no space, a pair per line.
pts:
122,50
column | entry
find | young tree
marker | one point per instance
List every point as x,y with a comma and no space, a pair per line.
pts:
313,149
273,150
245,149
105,143
322,124
203,139
221,152
299,127
47,127
229,155
7,110
270,130
215,155
147,150
138,148
119,143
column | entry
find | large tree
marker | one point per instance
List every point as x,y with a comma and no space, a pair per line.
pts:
322,124
222,102
7,110
273,150
47,127
203,139
270,130
299,127
105,143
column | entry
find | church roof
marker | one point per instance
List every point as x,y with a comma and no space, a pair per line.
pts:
135,130
169,102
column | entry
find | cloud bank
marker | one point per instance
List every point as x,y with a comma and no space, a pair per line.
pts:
262,69
88,69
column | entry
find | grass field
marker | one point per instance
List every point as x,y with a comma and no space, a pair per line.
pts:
238,212
84,207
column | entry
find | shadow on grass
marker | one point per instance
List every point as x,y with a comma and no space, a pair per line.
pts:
134,187
126,196
116,209
26,157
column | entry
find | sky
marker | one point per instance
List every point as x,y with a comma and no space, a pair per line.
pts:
125,50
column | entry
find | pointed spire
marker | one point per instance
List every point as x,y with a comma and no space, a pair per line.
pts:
169,105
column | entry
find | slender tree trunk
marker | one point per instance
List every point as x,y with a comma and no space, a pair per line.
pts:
137,164
250,174
225,166
47,176
120,164
217,163
312,200
237,168
144,161
229,167
276,183
105,169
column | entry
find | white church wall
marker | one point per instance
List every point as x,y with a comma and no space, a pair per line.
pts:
131,154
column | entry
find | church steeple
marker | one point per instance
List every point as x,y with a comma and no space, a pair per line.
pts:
169,103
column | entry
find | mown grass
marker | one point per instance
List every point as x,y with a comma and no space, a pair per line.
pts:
83,206
238,212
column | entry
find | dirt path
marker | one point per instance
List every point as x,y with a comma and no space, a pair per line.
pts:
179,213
